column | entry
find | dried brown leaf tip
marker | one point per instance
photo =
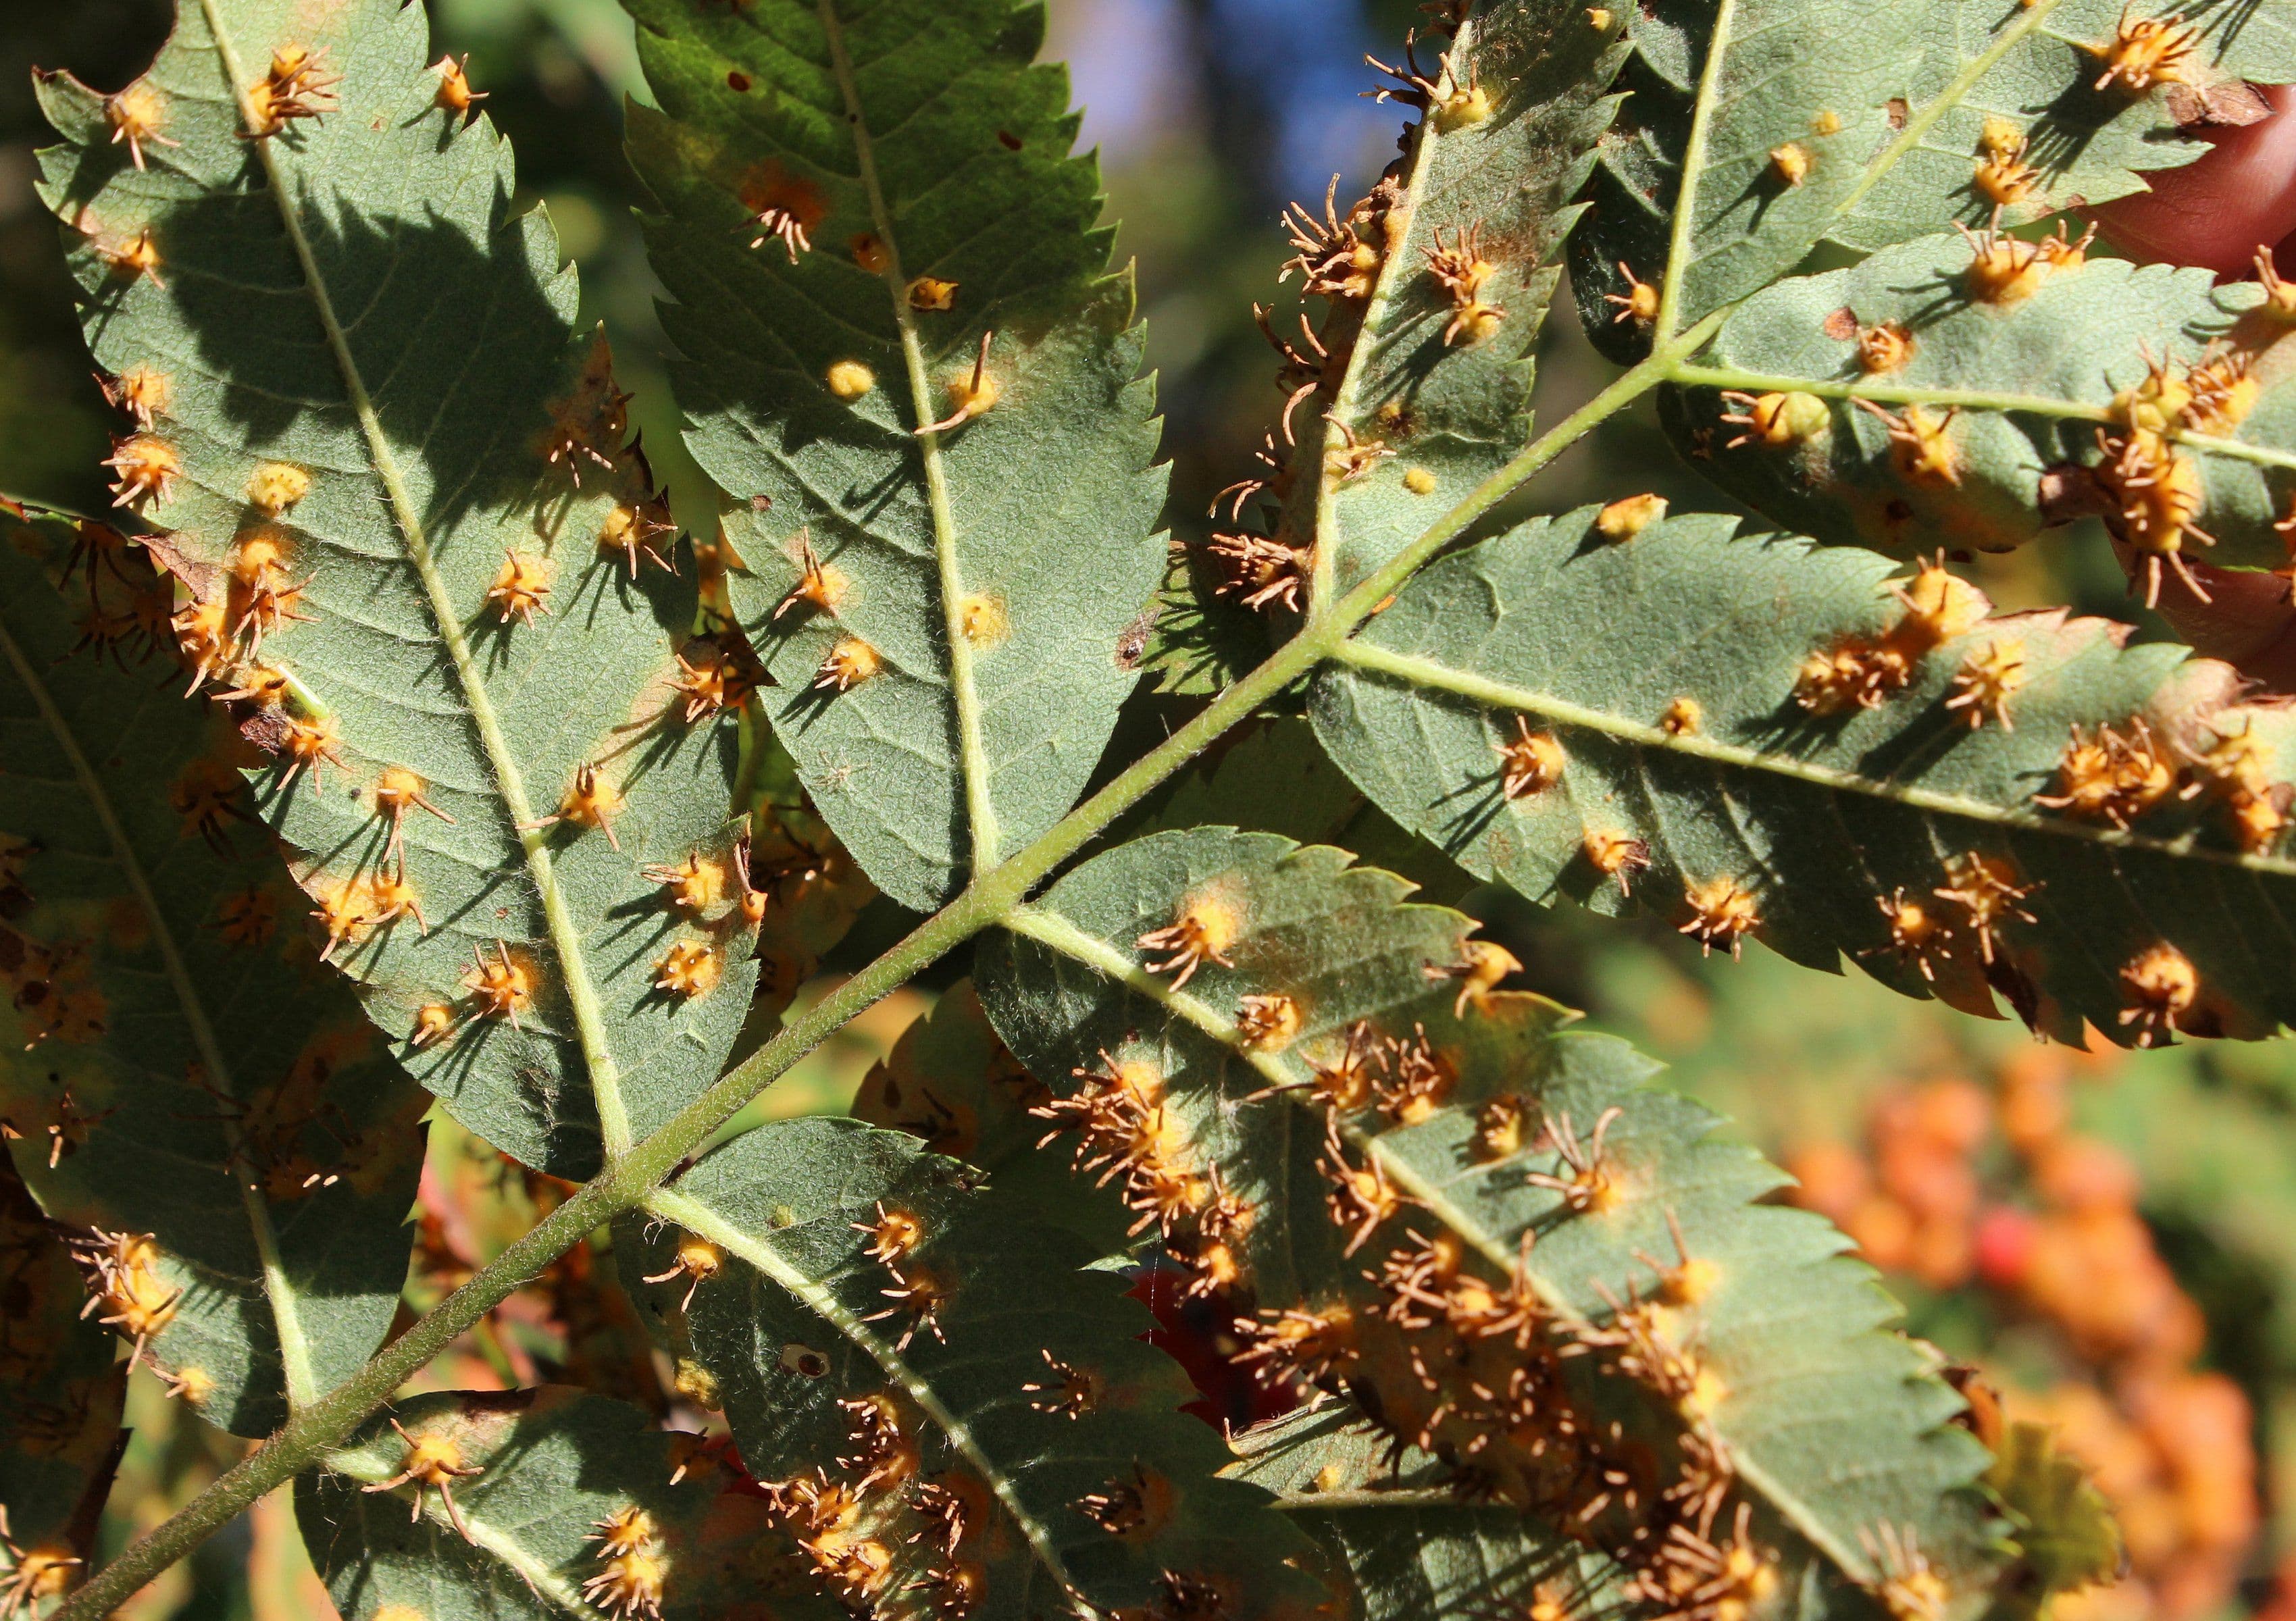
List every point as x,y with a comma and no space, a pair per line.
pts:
431,1461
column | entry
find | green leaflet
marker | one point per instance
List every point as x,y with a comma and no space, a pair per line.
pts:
1833,1427
1818,819
554,1464
987,572
1924,96
350,300
175,1063
1688,194
2065,1532
1399,1540
799,1324
1436,386
60,1432
2034,68
2032,385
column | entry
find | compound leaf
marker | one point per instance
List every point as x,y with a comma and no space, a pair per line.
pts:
1759,737
398,491
555,1473
944,1400
1451,1108
195,1094
950,672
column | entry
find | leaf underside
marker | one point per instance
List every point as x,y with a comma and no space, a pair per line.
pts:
989,570
556,1465
1832,1425
1819,818
802,1322
2031,385
372,368
177,1064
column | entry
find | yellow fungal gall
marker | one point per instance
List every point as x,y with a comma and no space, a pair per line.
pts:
850,380
1529,762
1986,889
1482,964
850,662
869,253
982,618
969,394
1883,347
453,92
132,257
591,801
696,1259
2002,269
1983,684
276,485
2159,494
1917,933
688,969
1588,1179
1638,303
1267,1023
1617,855
503,987
142,392
1685,716
1201,931
1775,419
1825,121
2148,51
1789,164
137,115
1629,516
630,1585
1419,481
1071,1392
433,1021
147,467
1921,444
819,586
624,1531
305,742
1599,19
522,588
784,207
932,294
630,530
432,1461
892,1236
694,886
1722,912
2160,986
1939,605
1854,673
2279,294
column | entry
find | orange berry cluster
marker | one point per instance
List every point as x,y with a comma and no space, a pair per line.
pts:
2170,1445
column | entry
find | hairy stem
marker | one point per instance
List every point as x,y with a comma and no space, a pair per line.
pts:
627,1181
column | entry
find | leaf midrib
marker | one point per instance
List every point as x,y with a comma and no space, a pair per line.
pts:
295,1357
566,939
983,845
1051,928
702,1219
1428,673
